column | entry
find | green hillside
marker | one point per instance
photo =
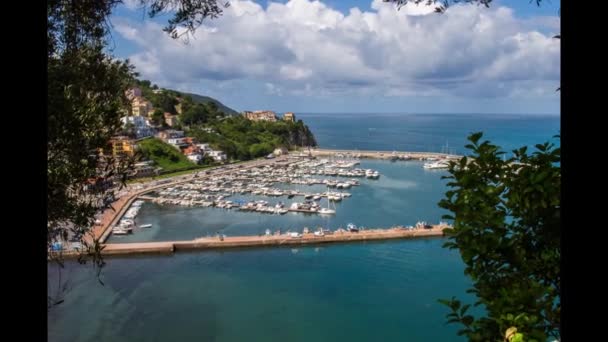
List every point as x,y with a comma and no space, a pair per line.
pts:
164,155
205,99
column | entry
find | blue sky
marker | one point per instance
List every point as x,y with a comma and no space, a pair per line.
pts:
356,56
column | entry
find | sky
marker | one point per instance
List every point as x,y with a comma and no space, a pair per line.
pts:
355,56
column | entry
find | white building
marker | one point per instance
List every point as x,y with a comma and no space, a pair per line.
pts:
141,125
204,147
217,155
195,157
177,142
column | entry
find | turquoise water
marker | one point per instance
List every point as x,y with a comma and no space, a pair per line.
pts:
380,291
428,132
404,194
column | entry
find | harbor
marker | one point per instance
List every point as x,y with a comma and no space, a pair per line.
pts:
275,187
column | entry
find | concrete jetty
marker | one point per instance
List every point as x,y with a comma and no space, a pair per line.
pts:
318,152
209,243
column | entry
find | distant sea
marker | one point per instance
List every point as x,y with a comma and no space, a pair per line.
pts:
376,291
429,132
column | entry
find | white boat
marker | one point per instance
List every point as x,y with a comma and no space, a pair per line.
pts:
327,211
441,164
145,226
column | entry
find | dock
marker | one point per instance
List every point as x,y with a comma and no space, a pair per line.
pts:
378,154
212,243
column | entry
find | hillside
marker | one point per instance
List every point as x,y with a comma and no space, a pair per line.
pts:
205,99
242,139
164,155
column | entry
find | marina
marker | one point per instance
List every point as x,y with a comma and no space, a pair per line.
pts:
291,185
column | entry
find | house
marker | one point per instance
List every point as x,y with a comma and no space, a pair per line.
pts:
133,93
195,157
218,156
178,107
141,107
190,149
170,119
279,151
261,115
289,116
141,125
204,147
177,142
170,134
145,169
122,146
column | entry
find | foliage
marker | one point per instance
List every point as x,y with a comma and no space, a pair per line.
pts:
195,98
442,5
243,139
85,100
507,228
164,155
194,114
158,118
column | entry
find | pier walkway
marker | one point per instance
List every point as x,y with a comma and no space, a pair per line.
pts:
208,243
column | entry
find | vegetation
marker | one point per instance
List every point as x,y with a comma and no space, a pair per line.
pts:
243,139
164,155
85,100
507,226
206,99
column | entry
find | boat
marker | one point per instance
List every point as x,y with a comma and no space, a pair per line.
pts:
145,226
328,210
441,164
267,233
352,228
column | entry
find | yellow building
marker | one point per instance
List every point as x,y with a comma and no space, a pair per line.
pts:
289,116
122,146
261,115
141,107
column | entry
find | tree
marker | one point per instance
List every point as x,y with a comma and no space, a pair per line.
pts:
158,117
507,228
442,5
194,115
85,100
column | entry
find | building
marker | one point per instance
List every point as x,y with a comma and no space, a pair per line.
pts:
218,156
170,119
133,93
280,151
170,134
122,146
141,125
145,169
195,157
178,107
141,107
289,116
204,147
177,142
261,115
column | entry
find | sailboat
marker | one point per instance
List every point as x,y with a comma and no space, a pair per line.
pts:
327,211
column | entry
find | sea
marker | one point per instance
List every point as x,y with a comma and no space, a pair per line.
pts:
373,291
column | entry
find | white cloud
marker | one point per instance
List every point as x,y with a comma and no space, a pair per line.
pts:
307,48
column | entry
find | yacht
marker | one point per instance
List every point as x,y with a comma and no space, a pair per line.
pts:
441,164
145,226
